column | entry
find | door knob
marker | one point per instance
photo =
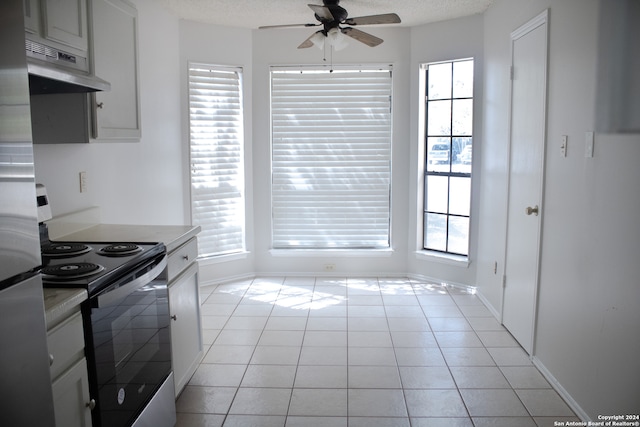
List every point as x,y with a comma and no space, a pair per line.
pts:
532,210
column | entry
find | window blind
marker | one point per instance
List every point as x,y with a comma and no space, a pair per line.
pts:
331,158
216,147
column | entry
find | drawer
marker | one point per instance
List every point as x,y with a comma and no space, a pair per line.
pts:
181,258
66,344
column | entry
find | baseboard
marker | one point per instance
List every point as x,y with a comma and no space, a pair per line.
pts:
490,307
420,277
226,280
469,288
561,390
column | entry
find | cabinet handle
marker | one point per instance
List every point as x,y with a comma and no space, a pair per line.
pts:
185,257
100,105
174,317
91,404
51,359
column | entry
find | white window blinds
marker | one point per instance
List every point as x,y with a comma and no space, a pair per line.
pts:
331,158
216,145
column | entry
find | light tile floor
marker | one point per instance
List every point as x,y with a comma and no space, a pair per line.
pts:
392,352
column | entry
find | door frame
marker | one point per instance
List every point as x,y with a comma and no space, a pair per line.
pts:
532,24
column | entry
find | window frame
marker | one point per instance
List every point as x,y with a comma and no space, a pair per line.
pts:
238,177
331,245
426,170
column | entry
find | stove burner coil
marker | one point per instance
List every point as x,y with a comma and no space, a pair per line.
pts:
120,249
70,271
62,250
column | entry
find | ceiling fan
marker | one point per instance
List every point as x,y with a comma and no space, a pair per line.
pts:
331,16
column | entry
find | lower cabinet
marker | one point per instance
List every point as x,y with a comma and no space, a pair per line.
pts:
69,376
71,396
184,308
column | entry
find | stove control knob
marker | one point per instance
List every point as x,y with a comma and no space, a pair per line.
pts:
91,404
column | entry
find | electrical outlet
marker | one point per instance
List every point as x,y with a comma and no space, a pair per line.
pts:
329,267
83,182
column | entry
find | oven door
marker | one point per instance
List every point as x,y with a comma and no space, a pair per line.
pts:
128,345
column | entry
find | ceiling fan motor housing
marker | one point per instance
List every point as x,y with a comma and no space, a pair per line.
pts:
338,13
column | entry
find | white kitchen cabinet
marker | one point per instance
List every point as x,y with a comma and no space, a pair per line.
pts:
32,16
63,22
69,376
184,308
71,396
116,113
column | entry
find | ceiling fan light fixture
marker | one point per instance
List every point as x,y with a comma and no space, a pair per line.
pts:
318,40
336,39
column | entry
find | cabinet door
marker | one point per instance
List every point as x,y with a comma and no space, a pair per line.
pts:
116,113
186,332
65,21
32,16
71,397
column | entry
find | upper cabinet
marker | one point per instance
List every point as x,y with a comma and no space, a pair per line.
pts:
32,16
116,113
63,22
103,36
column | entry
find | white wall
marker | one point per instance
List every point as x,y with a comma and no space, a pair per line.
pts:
136,183
587,324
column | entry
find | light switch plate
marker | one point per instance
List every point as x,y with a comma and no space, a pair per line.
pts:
83,182
563,145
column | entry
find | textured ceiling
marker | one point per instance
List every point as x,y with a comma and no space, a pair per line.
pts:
255,13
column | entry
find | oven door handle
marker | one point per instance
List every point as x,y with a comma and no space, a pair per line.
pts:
120,292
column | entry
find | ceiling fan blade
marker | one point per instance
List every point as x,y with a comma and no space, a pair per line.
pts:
308,42
387,18
322,11
361,36
264,27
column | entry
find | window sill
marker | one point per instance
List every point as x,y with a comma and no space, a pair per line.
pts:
348,253
455,260
223,258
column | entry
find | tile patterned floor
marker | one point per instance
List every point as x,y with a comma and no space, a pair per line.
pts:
392,352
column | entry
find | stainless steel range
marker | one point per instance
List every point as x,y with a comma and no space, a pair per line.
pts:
126,322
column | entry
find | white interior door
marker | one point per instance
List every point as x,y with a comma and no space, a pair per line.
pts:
528,113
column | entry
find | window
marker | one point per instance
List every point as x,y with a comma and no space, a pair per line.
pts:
448,138
331,158
216,148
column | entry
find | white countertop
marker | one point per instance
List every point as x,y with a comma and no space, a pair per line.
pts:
59,303
173,236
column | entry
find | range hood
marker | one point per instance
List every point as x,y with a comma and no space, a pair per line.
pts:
52,70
